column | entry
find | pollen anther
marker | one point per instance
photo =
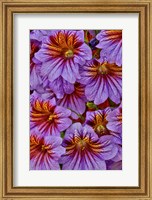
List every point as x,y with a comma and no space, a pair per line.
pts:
69,53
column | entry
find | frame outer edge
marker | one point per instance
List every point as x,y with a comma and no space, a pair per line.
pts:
72,2
1,101
2,109
150,99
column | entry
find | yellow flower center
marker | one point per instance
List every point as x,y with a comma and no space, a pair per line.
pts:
100,124
69,53
43,147
81,144
51,117
103,69
100,129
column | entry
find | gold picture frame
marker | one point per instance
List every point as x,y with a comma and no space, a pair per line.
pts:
143,8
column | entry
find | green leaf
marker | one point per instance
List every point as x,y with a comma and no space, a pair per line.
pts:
62,134
91,105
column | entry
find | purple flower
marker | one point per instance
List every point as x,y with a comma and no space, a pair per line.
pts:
97,120
62,53
118,143
35,78
118,156
45,152
34,47
103,81
84,150
60,87
42,94
110,41
49,118
114,165
114,119
35,65
39,34
74,101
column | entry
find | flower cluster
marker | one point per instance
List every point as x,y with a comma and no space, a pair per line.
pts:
75,99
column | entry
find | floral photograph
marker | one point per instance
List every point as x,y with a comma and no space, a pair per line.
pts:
75,99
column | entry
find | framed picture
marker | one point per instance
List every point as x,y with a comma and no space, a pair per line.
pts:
76,94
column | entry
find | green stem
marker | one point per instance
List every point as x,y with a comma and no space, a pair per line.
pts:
80,116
